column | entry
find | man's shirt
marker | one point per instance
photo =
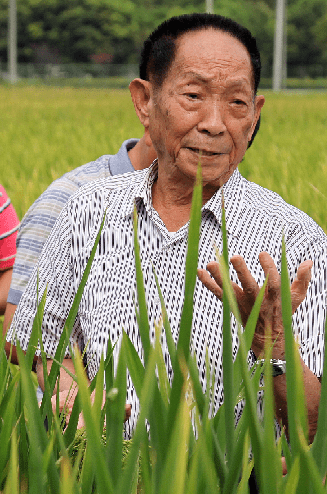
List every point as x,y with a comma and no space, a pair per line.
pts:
256,220
41,216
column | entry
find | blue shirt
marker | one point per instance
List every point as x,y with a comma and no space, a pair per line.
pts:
41,216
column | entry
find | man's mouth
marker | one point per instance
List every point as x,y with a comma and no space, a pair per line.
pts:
204,152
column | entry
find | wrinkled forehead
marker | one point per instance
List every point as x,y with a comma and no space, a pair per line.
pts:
211,49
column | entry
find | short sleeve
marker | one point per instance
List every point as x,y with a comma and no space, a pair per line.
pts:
9,224
309,318
52,274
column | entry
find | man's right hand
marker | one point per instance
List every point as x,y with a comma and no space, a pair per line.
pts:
270,312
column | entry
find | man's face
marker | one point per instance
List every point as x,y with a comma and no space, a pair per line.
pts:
205,108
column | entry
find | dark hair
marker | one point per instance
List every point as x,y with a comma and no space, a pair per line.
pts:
159,48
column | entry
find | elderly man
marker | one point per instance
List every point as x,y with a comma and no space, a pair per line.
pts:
196,98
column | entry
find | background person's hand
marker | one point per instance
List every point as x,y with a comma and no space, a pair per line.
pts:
66,403
270,312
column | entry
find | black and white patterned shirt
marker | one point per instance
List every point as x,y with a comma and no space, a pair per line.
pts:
256,219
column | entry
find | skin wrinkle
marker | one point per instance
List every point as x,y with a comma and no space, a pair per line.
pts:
222,64
210,76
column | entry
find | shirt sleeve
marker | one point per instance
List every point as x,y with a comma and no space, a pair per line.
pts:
41,217
309,318
34,231
9,224
55,275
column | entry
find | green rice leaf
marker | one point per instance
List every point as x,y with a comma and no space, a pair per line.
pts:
240,459
164,385
247,466
175,468
134,364
64,339
99,392
103,478
312,471
296,405
271,477
115,404
12,484
250,409
87,473
292,478
109,365
36,431
183,345
208,467
146,398
37,324
143,321
191,267
8,419
146,467
228,373
170,341
319,446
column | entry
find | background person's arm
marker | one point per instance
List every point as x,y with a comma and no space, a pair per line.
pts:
9,348
67,389
5,280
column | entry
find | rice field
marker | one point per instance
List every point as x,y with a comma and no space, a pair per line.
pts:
47,131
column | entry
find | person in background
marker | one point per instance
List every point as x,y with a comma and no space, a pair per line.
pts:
9,224
134,154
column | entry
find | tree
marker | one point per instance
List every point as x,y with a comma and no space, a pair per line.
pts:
306,42
75,30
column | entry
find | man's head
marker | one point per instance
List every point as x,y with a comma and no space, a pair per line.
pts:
197,94
160,47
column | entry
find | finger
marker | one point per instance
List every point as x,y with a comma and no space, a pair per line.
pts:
249,285
284,466
54,404
300,285
270,270
213,286
80,423
214,270
128,411
210,283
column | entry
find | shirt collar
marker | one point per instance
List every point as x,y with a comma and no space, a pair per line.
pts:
142,191
233,191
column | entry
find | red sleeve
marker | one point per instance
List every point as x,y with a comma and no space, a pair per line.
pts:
9,224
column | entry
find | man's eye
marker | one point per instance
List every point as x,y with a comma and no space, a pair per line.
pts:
192,95
239,102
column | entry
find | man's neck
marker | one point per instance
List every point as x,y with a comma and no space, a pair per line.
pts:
173,208
141,155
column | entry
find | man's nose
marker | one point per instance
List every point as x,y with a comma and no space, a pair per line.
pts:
212,121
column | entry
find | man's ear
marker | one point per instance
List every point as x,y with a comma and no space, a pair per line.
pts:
258,104
140,92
